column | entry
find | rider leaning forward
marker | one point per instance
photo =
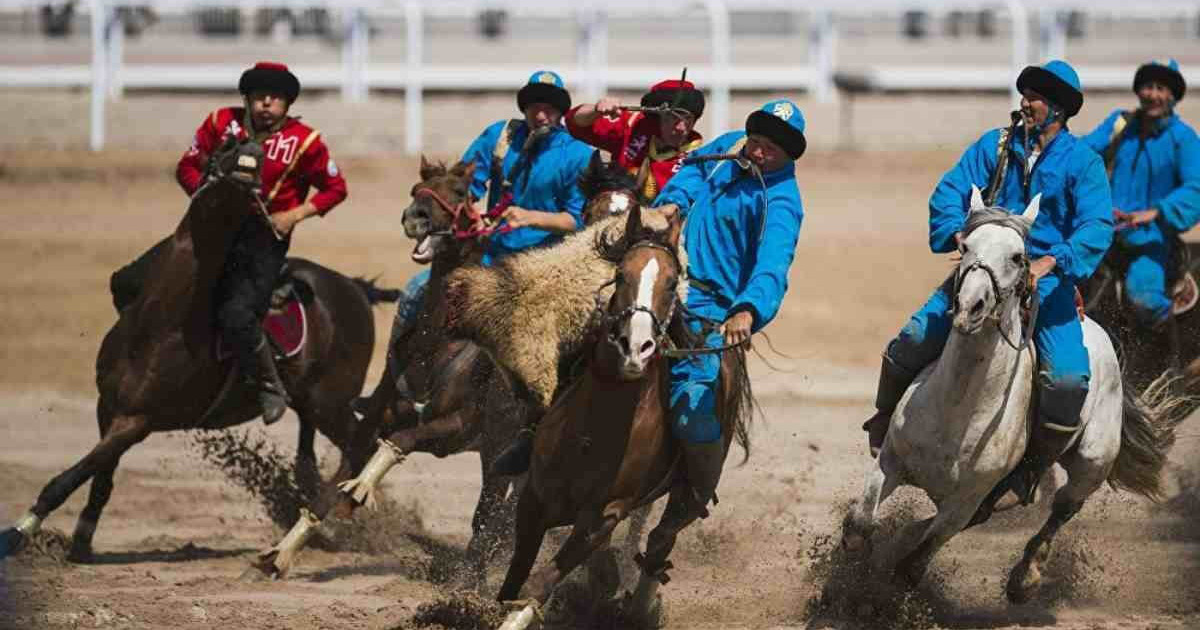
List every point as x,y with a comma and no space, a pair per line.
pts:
651,144
1153,163
1073,230
295,159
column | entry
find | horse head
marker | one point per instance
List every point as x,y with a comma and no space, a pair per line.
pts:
993,274
441,205
608,189
644,296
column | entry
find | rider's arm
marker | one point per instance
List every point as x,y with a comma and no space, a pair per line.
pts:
1181,208
1092,227
602,132
190,170
319,168
951,197
685,185
1099,138
480,152
768,281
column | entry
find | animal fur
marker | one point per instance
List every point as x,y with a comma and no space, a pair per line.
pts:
534,308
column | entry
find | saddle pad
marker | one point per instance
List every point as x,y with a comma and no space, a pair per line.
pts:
287,327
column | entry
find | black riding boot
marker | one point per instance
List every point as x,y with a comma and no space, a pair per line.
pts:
704,463
1057,423
893,382
515,458
271,393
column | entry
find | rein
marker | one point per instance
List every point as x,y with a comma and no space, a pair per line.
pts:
1026,291
482,224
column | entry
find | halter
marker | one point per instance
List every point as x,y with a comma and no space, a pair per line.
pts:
482,224
1024,290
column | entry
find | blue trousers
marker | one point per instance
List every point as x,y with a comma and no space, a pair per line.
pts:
410,299
694,382
1146,282
1058,334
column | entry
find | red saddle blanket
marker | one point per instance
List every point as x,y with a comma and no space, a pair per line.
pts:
286,325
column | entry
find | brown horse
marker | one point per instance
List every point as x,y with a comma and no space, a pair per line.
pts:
605,447
1146,354
157,368
608,188
437,395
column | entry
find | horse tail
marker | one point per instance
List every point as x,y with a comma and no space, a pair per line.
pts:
375,294
1147,433
738,402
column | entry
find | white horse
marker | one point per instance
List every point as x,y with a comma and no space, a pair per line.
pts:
964,423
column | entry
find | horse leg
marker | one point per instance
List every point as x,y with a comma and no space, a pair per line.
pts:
881,481
362,489
308,478
531,530
645,606
585,538
637,526
489,528
952,517
1087,467
123,432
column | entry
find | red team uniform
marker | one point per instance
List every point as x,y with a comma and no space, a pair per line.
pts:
295,159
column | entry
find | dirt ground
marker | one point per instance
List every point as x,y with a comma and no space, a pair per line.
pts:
176,534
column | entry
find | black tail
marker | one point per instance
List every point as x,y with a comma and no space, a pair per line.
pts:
376,294
1147,433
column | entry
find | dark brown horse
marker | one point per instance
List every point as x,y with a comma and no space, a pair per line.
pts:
437,395
605,447
1145,353
157,368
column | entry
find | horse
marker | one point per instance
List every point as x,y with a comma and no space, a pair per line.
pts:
158,370
1147,353
608,188
447,399
605,447
964,423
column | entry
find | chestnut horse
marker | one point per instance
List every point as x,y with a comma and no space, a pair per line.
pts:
157,368
605,447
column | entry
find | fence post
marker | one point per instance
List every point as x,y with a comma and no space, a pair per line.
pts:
718,19
822,42
1052,34
99,10
114,27
413,101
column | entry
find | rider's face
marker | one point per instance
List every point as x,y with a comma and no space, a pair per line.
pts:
674,128
1155,99
767,155
541,115
1035,109
267,108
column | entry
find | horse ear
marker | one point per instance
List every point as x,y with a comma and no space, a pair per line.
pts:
633,224
429,169
1031,211
674,230
464,169
976,199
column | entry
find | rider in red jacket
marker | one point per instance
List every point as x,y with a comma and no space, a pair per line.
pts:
650,145
294,160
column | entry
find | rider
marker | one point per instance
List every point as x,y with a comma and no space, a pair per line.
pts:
1153,161
742,223
1070,236
527,169
650,145
295,158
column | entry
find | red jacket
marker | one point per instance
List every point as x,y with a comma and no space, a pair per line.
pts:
628,138
290,154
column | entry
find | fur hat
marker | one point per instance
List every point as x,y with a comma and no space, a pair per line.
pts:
269,75
676,93
783,123
1165,72
1057,81
546,87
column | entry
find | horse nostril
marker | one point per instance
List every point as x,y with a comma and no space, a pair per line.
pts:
647,348
977,308
623,344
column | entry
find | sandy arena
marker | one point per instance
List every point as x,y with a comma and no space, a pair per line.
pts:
177,534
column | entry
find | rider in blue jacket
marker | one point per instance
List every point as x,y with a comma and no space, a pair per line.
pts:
1153,161
1073,231
740,235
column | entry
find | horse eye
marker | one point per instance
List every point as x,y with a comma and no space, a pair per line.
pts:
1016,259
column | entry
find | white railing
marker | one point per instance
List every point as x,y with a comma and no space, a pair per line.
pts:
108,75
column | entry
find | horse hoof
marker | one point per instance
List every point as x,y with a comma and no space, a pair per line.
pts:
1023,584
259,573
80,554
10,541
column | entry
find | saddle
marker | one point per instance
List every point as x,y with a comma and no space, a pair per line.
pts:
286,323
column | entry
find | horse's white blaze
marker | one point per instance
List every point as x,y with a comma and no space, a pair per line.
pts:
618,203
641,324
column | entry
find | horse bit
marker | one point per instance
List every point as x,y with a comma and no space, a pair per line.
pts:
1027,293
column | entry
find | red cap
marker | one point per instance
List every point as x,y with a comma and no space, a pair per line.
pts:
271,65
672,84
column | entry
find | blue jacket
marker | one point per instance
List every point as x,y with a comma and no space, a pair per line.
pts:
728,245
549,182
1074,224
1162,171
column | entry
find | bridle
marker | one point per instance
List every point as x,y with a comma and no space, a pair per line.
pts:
1025,291
609,322
481,224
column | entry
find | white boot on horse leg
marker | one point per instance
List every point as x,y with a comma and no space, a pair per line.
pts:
362,488
277,561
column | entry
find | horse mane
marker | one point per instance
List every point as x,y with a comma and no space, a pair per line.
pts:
614,250
605,178
979,217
